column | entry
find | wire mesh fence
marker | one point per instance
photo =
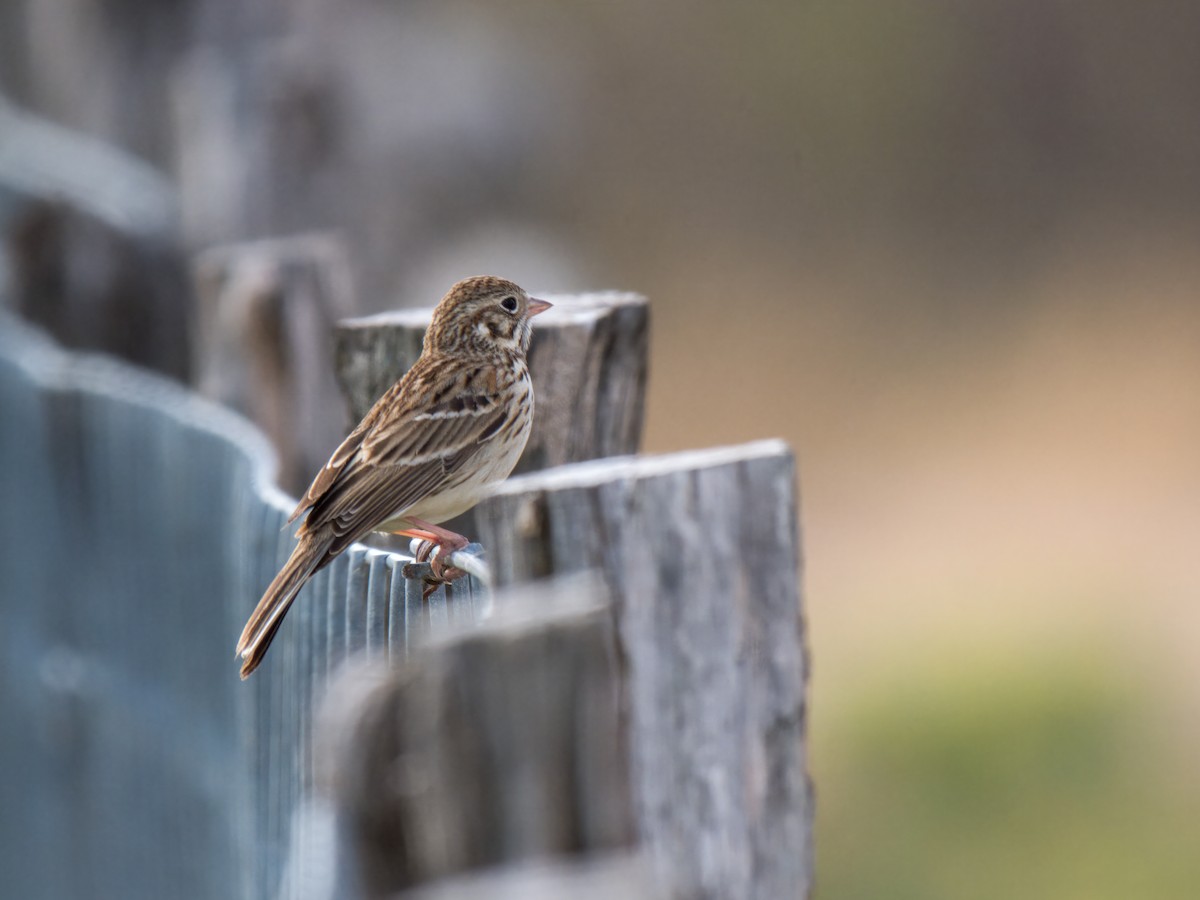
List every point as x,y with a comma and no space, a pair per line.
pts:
138,526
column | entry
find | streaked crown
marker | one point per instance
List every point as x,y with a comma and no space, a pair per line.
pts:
483,315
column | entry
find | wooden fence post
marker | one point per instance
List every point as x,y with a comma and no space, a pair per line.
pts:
264,314
488,747
588,361
95,287
92,244
700,551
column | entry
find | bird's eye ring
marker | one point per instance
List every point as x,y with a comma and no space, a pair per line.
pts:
509,303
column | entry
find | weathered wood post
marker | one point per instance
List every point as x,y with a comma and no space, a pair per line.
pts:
489,747
264,314
700,551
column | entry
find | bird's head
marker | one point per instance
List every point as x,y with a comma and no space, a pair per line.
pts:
483,314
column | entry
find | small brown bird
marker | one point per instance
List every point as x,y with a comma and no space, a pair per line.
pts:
426,451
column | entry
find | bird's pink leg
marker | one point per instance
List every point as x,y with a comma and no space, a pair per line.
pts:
447,540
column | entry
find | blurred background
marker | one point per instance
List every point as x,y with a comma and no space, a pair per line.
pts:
949,251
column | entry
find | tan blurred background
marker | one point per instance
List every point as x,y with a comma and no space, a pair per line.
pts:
949,251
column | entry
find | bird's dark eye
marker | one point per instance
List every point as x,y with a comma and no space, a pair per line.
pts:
509,303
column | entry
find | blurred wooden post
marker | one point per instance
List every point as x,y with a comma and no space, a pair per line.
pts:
95,287
588,361
264,314
91,241
700,550
488,747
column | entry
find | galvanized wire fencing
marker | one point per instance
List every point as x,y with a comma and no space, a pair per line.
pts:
138,525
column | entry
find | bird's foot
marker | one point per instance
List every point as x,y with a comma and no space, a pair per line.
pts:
440,572
438,544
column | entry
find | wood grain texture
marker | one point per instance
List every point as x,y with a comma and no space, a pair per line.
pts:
588,360
700,551
264,314
489,747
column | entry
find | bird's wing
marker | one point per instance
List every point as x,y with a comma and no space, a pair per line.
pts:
417,436
345,452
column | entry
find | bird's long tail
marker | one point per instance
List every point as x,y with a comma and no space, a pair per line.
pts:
309,555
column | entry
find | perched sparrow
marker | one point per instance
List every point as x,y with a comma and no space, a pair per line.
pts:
426,451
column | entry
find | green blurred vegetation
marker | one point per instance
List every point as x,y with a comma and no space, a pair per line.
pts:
991,776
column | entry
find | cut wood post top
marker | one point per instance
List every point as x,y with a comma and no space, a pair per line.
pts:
582,516
267,263
592,473
589,361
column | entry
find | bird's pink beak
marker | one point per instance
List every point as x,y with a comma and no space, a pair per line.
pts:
537,306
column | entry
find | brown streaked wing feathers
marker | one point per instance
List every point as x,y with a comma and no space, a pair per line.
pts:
368,497
393,460
390,433
412,438
369,492
332,469
396,396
